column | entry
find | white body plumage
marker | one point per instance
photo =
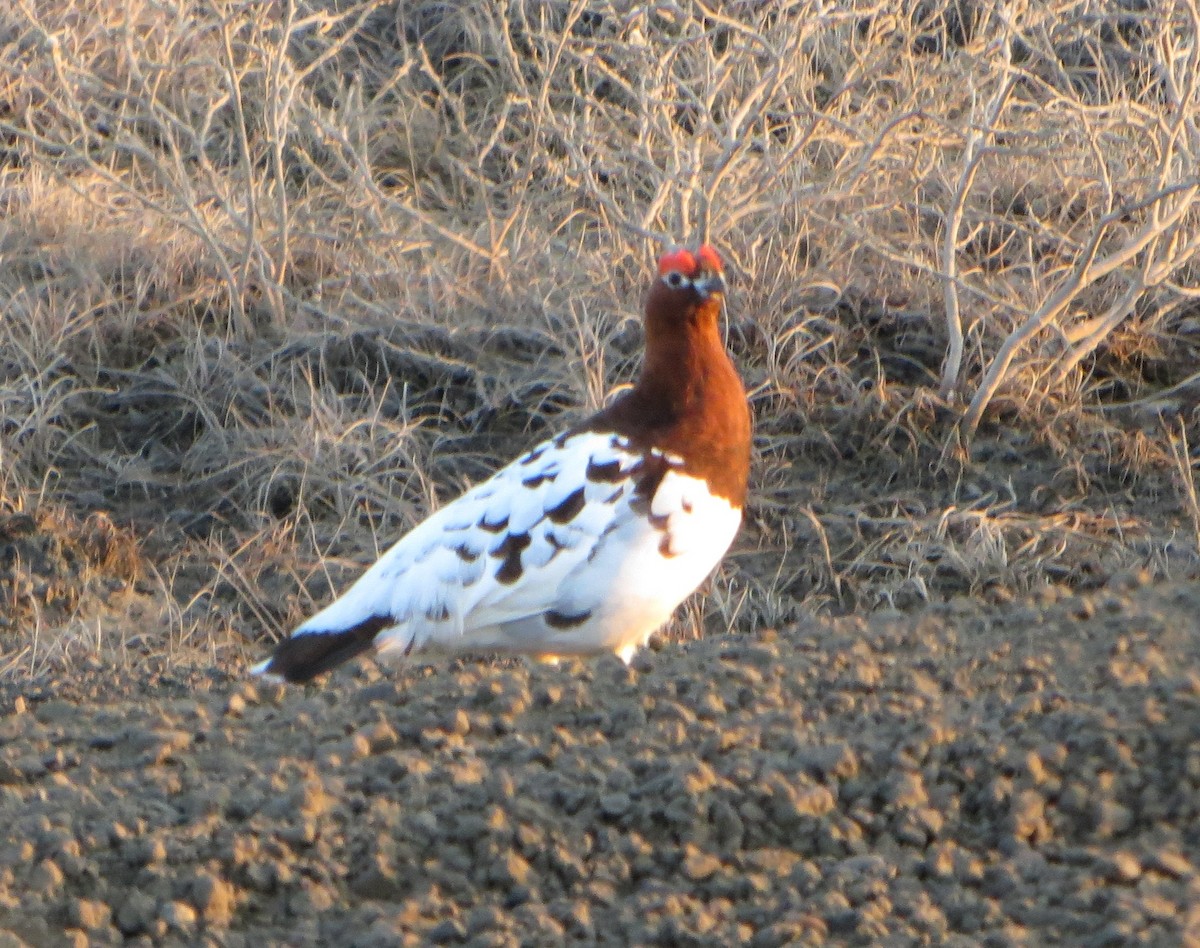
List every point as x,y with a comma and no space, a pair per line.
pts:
583,545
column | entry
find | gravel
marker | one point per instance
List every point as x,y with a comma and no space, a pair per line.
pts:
968,775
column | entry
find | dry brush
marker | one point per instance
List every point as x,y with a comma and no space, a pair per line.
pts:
277,277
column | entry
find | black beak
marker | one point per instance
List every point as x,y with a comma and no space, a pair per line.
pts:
711,284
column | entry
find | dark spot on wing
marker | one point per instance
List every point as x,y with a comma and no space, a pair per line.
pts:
511,540
647,475
533,455
466,554
615,495
568,509
686,504
493,527
423,554
560,620
664,546
599,544
509,550
658,521
561,440
604,471
538,479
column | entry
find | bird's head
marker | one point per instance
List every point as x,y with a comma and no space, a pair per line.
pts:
691,276
687,294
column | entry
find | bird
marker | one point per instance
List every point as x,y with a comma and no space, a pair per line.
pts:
586,543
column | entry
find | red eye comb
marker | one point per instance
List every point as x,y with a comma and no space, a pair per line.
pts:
709,258
688,263
683,261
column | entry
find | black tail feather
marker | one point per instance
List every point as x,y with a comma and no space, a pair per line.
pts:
303,657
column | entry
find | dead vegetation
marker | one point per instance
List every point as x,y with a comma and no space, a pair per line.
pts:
278,278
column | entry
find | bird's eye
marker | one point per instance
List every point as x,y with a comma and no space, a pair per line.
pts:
675,279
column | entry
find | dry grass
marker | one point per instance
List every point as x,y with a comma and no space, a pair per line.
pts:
278,278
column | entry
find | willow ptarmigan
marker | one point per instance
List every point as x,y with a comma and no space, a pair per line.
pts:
587,543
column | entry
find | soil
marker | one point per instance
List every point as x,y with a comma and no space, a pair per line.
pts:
968,774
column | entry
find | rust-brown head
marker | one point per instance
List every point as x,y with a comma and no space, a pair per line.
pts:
690,287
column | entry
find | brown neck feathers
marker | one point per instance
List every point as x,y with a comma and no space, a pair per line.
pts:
688,400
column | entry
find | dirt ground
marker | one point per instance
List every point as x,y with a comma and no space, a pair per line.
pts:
967,774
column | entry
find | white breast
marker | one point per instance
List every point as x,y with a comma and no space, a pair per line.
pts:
583,545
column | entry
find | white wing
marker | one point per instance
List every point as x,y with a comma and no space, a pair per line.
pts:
579,546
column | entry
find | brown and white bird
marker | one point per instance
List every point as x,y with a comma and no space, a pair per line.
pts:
587,543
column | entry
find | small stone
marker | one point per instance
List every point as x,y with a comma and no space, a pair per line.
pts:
614,805
249,692
160,747
1113,935
814,801
1121,866
1172,864
447,930
939,861
844,921
906,791
1028,816
378,880
698,865
213,898
310,799
510,869
356,747
90,914
179,915
457,722
300,833
139,851
484,918
548,696
46,877
1161,909
30,767
136,914
380,737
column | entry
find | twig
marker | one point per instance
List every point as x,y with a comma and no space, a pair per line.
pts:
973,154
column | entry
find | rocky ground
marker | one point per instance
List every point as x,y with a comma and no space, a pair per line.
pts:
995,775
